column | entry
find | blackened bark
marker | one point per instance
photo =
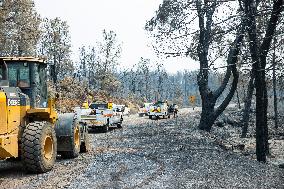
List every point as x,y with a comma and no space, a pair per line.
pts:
261,123
209,98
274,91
232,60
53,73
238,99
264,49
233,88
259,55
208,102
207,115
247,107
265,106
250,11
225,81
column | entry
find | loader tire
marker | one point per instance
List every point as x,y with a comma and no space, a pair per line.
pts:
75,143
105,128
38,147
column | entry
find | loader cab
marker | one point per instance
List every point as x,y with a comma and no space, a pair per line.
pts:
28,74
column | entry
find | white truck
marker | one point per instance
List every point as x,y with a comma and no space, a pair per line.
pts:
159,109
100,115
144,110
119,108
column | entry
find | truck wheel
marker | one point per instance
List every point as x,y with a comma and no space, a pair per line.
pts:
141,115
38,147
119,125
106,127
150,117
85,140
85,145
75,143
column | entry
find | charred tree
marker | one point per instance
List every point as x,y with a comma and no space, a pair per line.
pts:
247,107
274,89
258,55
209,113
173,25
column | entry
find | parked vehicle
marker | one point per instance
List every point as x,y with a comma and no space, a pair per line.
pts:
121,109
100,115
159,109
126,111
144,110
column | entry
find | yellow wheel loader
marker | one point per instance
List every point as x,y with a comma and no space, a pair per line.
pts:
30,128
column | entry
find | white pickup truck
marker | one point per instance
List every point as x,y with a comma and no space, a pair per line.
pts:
159,109
118,108
144,110
100,115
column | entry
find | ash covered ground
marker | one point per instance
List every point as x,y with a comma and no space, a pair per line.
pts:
165,153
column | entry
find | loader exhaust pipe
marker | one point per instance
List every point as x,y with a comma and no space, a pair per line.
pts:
4,69
4,82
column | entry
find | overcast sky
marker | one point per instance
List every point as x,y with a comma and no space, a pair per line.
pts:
87,19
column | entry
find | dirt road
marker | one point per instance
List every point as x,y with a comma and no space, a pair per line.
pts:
147,153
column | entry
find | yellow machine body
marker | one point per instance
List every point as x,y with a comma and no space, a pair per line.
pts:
12,117
13,120
16,113
9,129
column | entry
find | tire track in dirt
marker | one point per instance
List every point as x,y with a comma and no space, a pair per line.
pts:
153,176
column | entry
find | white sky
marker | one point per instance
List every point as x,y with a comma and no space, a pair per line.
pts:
87,19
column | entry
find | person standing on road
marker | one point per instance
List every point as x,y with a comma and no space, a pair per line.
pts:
175,110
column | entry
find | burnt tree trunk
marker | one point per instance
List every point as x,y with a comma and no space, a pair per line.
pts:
264,49
274,89
260,118
258,55
238,99
209,113
207,97
247,107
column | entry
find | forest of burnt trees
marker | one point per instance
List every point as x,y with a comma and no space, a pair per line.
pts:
240,56
25,33
245,34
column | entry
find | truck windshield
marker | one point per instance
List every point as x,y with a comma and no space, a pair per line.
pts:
158,104
19,74
98,106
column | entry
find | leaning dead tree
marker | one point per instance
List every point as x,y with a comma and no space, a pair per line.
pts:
209,97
